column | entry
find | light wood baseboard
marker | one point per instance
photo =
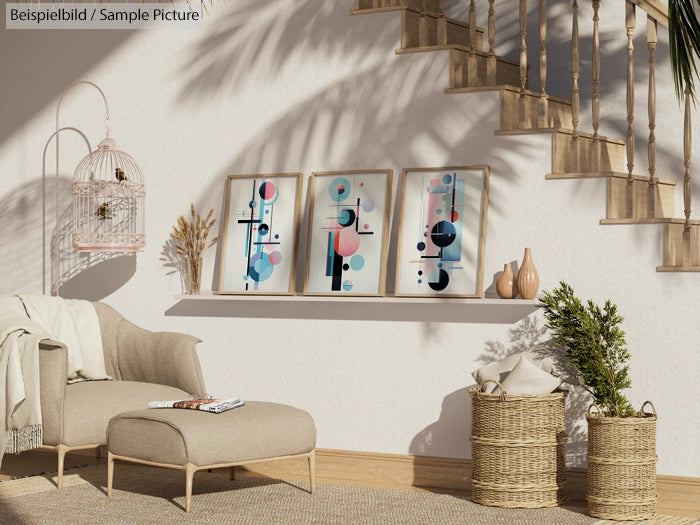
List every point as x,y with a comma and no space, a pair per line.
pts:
678,496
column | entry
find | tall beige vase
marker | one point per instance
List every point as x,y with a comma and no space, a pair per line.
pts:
528,278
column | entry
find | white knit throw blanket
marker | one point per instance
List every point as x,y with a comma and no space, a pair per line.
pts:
74,323
20,404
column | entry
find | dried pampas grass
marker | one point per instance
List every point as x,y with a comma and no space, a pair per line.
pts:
191,241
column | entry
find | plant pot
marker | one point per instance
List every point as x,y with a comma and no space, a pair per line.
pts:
622,465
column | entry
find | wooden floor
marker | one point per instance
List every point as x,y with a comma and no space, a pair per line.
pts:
677,496
35,462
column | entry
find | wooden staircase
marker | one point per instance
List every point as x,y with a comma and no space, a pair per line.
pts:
474,67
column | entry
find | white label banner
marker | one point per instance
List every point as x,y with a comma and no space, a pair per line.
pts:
103,15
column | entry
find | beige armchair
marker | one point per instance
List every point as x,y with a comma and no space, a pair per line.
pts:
146,366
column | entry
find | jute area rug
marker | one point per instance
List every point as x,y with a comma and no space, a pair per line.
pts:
146,495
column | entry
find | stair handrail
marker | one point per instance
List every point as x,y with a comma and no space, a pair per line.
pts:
655,9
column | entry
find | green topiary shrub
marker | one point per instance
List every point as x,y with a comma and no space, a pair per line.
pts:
595,346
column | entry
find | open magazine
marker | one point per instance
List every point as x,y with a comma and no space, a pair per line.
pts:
207,405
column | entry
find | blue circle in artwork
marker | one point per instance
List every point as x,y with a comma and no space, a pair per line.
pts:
277,235
420,246
339,189
425,234
251,205
446,178
245,277
443,234
267,212
439,265
368,206
347,285
438,211
420,281
263,230
346,217
357,262
260,267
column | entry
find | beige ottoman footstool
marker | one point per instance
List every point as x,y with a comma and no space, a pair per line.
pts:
193,440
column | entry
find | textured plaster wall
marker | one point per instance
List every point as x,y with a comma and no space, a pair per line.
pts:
301,85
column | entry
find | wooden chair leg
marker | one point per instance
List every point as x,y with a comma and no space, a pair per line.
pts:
312,471
110,473
62,449
189,479
233,474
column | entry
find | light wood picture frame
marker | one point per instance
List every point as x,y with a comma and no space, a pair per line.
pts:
349,216
260,234
442,233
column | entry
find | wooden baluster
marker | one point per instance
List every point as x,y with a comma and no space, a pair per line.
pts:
542,111
651,105
630,23
471,65
687,142
523,62
491,62
595,146
442,25
575,160
423,25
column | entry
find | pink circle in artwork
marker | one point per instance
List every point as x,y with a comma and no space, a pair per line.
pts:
267,190
347,241
275,257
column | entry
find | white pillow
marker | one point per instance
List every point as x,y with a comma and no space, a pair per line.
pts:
527,378
499,370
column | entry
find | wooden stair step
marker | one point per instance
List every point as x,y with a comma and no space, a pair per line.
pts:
558,109
457,31
645,205
376,6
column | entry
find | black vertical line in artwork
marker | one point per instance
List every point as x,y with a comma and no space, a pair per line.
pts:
250,229
272,212
357,216
454,191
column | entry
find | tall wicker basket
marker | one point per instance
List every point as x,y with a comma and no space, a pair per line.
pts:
622,465
518,449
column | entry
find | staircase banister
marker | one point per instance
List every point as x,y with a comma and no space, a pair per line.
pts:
655,9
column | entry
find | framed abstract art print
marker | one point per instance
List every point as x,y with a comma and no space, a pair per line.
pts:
348,232
442,232
259,241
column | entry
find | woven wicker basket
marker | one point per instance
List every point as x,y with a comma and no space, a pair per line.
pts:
518,449
622,465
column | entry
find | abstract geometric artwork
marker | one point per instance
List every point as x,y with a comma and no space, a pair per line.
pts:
443,232
348,229
258,251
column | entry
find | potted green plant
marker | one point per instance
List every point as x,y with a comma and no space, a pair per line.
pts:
621,442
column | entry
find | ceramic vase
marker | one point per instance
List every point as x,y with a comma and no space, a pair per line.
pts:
506,286
528,281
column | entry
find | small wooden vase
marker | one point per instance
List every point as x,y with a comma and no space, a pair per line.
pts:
528,279
506,286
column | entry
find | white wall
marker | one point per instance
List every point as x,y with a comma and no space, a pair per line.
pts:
301,85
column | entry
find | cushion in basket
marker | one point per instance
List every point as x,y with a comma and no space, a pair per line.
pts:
528,378
498,370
